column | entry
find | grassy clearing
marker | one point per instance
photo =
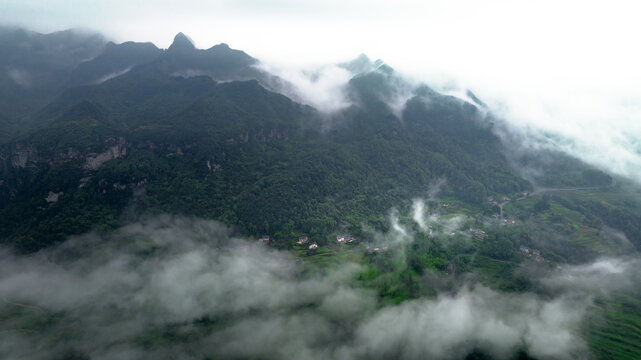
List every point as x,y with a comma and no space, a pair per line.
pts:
615,331
496,274
590,238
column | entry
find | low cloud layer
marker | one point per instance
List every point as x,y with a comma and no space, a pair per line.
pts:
323,87
577,118
493,322
596,122
172,287
112,75
20,77
603,276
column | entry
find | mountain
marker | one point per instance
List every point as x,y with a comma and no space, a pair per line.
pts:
219,62
181,43
166,135
39,68
361,64
265,158
35,67
115,60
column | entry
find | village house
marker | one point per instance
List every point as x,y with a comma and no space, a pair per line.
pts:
376,250
313,246
344,239
265,239
302,240
533,253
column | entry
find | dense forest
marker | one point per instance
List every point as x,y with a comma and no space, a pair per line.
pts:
237,151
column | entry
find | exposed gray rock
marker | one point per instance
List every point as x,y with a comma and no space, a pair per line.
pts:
53,197
94,161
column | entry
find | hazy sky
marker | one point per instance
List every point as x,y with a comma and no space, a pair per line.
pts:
565,67
499,36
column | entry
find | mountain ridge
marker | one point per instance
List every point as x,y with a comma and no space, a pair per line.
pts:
166,139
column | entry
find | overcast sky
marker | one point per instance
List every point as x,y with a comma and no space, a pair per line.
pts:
568,67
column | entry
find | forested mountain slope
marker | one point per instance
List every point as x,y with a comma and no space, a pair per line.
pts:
167,131
168,141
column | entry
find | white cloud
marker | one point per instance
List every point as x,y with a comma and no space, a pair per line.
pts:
141,291
20,77
486,320
321,87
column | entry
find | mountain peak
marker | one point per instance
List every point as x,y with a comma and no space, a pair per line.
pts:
221,46
182,42
359,65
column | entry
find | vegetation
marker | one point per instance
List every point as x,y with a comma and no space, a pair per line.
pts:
252,158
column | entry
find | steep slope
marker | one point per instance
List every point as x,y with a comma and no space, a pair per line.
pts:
233,151
169,135
35,67
141,90
141,95
115,60
450,136
219,62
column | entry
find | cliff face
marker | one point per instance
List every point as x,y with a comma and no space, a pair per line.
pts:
94,161
27,154
23,155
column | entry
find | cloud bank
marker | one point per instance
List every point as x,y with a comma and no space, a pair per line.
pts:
322,87
172,287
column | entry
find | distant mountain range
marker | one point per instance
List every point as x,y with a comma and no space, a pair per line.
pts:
93,131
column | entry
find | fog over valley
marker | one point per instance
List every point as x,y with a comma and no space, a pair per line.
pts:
167,278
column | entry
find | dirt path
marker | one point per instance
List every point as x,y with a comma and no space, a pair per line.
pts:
501,207
324,254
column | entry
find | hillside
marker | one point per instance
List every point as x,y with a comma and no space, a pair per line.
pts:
236,151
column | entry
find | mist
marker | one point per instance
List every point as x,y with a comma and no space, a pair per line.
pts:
112,75
603,276
578,119
322,87
175,287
